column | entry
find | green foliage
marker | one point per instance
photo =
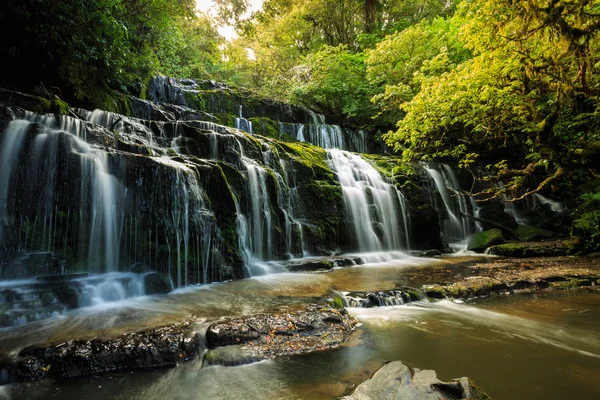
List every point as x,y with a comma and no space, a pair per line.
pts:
587,223
334,82
482,240
336,302
87,50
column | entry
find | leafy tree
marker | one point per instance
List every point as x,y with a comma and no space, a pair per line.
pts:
88,49
333,81
530,91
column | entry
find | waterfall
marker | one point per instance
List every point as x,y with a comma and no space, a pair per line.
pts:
511,208
319,133
242,123
372,204
106,214
13,138
555,206
457,226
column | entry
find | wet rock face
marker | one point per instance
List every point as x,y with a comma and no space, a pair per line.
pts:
161,347
382,299
396,381
315,328
157,283
482,240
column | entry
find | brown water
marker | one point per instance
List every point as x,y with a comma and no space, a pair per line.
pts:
542,346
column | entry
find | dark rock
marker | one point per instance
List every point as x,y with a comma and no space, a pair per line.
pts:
482,240
315,328
552,248
494,211
307,266
62,277
46,298
157,283
526,233
139,268
160,347
66,294
430,253
396,381
383,298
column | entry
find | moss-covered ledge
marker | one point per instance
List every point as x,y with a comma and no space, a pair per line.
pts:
521,276
33,103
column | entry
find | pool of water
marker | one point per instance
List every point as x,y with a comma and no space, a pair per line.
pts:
539,346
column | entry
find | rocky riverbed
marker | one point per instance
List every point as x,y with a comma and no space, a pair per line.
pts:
518,275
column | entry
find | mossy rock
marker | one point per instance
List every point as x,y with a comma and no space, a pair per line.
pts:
537,249
482,240
265,127
34,103
526,233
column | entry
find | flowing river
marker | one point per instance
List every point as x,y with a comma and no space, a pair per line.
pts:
538,346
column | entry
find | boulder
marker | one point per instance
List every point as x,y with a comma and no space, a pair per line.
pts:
482,240
396,381
494,211
157,283
526,233
264,336
160,347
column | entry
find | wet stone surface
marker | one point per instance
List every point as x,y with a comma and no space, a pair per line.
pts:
315,328
154,348
506,276
396,381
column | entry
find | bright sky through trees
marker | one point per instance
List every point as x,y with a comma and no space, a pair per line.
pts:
228,32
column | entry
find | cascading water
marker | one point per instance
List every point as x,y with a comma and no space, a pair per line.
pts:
242,123
92,221
458,225
11,147
373,205
555,206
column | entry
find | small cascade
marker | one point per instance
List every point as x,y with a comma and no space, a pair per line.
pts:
11,145
242,123
555,206
381,299
457,226
372,204
511,208
82,203
106,208
24,301
324,135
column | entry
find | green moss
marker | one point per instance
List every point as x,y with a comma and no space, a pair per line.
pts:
59,107
34,103
526,233
307,155
171,152
336,302
413,294
537,249
482,240
391,167
222,202
265,127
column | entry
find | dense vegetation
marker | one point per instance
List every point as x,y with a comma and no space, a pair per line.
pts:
509,89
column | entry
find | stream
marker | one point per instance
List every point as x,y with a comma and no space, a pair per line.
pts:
536,346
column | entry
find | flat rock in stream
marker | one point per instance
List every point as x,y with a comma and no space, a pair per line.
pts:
396,381
312,329
160,347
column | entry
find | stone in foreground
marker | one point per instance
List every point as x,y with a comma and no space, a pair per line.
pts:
160,347
396,381
482,240
312,329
